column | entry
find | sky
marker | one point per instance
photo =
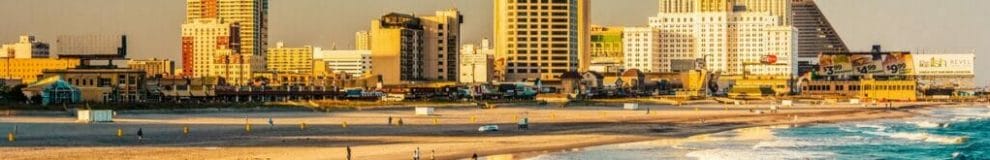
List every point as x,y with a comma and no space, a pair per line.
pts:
153,26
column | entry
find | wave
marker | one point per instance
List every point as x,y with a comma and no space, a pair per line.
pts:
929,124
924,137
875,126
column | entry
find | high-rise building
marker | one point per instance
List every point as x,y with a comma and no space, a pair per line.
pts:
606,44
642,49
290,60
225,38
27,47
210,48
441,44
251,15
397,48
153,67
815,33
362,40
776,8
727,36
476,64
540,39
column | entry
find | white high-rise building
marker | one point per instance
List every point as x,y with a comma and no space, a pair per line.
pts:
26,48
727,35
642,49
477,62
225,38
209,49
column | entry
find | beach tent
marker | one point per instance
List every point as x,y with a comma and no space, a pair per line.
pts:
53,90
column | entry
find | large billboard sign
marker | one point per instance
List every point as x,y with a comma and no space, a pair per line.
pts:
944,64
865,63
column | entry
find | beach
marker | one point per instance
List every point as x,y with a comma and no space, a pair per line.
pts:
450,134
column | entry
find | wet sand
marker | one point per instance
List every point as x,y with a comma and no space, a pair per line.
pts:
222,135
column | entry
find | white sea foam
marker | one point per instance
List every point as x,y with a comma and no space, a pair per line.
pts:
802,143
929,124
875,126
924,137
746,154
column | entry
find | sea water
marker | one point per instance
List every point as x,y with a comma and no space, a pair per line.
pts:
944,133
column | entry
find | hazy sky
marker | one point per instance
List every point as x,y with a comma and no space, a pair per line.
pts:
153,26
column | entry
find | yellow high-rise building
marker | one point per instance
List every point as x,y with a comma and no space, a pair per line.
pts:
396,50
540,39
290,60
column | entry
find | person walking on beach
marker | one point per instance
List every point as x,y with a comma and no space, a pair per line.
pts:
390,120
348,152
433,154
140,135
474,157
271,123
416,154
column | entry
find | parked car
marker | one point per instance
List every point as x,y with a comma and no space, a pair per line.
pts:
488,128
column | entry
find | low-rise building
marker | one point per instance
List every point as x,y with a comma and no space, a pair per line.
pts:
104,85
356,63
28,70
282,59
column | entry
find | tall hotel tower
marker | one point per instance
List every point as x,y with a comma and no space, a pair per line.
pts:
225,38
733,37
540,39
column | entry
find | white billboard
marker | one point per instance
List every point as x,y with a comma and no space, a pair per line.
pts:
944,64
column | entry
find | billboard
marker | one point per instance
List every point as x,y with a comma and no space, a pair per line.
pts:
944,64
865,63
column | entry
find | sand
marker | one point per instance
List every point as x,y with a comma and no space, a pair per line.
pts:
222,135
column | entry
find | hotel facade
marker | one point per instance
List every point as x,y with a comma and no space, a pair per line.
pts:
732,37
540,39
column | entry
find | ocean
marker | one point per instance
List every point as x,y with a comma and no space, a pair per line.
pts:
943,133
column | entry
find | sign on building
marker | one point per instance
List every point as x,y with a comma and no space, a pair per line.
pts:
865,63
944,64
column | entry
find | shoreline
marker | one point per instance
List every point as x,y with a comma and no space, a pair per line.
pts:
912,109
555,129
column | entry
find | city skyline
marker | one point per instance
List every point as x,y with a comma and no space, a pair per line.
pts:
312,22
